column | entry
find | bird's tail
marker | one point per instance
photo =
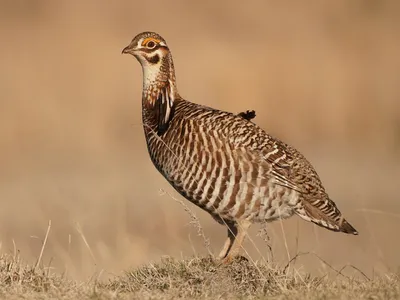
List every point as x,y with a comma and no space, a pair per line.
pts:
325,214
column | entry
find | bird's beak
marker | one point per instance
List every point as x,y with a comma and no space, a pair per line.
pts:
130,49
125,50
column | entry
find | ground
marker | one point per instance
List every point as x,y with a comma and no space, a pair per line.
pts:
192,278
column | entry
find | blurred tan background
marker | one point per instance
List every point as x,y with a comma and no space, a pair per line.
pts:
321,75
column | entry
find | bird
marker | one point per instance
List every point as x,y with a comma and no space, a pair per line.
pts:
223,162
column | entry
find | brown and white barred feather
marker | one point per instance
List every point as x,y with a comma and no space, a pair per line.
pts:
234,170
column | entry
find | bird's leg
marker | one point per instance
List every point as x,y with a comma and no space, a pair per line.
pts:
232,232
242,227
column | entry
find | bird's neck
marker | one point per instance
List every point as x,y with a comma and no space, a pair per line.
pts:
159,95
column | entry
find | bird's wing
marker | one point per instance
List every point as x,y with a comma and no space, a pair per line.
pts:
281,161
278,156
283,164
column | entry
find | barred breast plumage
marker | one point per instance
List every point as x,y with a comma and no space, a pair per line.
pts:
219,161
223,162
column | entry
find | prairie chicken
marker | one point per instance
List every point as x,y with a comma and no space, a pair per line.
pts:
222,162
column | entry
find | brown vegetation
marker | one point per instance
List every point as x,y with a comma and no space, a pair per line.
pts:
196,278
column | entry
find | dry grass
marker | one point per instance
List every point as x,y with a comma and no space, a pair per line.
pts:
194,278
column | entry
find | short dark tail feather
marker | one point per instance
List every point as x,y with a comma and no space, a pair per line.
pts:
347,228
325,214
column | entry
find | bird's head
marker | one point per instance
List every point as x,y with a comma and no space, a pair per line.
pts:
151,50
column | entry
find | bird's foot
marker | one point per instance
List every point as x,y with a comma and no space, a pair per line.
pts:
232,259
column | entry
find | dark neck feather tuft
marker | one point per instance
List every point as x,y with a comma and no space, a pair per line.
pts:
158,107
159,94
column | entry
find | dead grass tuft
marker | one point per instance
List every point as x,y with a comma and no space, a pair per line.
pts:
195,278
202,277
19,278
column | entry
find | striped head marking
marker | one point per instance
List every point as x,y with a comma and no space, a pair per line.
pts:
149,48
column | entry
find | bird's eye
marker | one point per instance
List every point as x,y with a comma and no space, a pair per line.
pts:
151,45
